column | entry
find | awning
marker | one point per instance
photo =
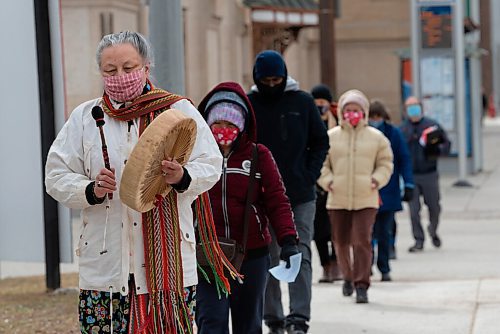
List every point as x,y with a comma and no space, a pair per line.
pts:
283,4
301,13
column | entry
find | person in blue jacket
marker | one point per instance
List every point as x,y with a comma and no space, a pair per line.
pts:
390,195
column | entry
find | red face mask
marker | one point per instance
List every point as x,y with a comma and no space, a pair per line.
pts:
353,117
225,135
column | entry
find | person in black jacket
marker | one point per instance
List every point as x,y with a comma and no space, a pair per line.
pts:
426,140
322,228
289,124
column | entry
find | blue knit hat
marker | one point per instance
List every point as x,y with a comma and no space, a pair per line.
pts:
269,63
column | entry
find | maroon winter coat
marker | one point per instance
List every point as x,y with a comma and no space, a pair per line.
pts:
228,196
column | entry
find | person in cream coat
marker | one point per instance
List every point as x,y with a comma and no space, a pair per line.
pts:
359,162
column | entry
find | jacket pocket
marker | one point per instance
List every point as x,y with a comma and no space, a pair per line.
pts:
363,185
189,238
259,222
89,157
339,184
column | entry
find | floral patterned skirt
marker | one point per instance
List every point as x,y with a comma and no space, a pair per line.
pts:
94,307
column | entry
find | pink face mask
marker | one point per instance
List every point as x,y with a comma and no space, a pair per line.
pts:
125,87
225,135
353,117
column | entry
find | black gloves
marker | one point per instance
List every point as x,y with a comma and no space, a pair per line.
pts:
435,137
288,250
432,151
408,195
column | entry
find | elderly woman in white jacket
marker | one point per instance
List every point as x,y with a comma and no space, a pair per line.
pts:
111,248
359,162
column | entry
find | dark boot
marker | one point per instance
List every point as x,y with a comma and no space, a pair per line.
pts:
436,240
335,274
299,328
326,274
361,296
386,277
418,247
347,288
276,326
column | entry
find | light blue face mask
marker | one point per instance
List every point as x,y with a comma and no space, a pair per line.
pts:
414,110
376,124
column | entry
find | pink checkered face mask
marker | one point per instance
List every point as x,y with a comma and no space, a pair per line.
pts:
125,87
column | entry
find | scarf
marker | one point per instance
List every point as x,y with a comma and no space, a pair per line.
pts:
163,309
154,101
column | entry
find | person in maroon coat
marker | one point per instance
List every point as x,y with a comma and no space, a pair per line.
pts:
229,114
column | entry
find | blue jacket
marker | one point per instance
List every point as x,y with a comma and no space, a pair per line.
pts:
391,193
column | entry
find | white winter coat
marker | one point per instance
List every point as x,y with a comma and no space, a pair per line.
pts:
75,159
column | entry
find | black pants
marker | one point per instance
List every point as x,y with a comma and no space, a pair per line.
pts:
426,186
246,302
382,233
322,231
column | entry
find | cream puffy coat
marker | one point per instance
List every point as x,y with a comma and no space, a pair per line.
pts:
75,159
356,155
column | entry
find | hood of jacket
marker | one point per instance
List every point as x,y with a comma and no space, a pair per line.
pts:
291,85
250,132
357,97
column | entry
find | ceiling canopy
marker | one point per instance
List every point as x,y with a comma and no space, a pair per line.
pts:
283,4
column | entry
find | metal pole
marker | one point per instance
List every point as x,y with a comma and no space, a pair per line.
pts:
415,60
167,37
495,51
327,43
45,86
476,91
60,116
460,93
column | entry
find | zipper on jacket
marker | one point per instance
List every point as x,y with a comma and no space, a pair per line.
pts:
224,197
351,163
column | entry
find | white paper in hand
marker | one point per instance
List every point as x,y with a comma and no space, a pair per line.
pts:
282,273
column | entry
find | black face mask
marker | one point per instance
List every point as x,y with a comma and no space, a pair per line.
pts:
268,92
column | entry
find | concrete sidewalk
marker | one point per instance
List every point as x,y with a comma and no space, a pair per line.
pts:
451,290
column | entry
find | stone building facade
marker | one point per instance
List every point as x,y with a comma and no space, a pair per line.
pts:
218,38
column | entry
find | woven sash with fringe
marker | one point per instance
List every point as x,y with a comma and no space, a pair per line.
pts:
168,312
163,309
214,254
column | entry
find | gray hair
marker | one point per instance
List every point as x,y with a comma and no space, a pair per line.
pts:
138,41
